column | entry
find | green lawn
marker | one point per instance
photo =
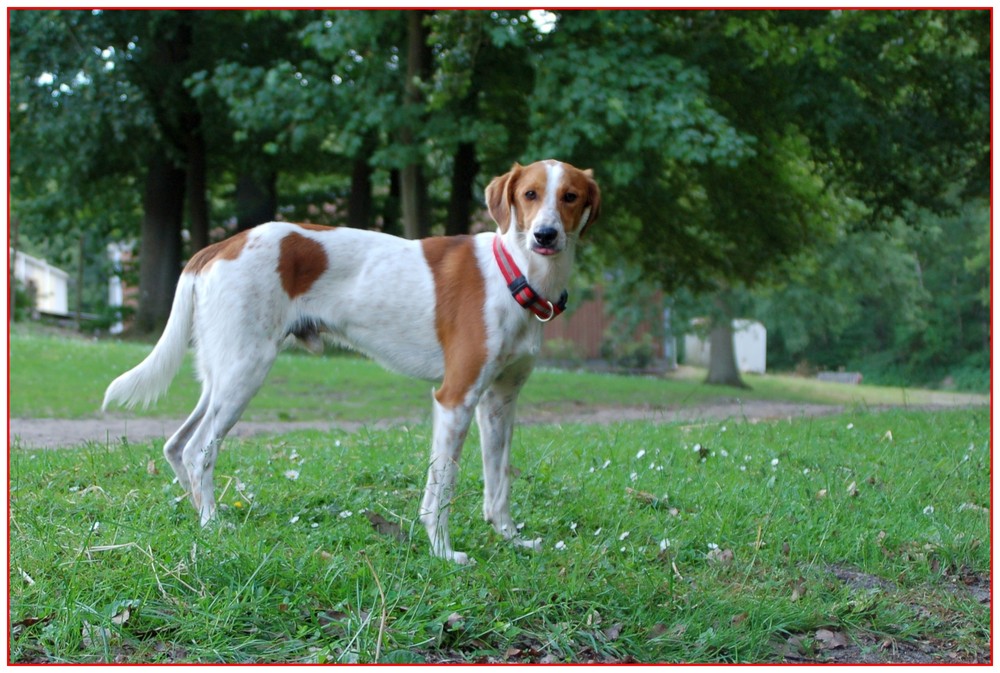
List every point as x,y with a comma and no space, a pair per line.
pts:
52,376
857,537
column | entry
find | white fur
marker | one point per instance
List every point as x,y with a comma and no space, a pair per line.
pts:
377,295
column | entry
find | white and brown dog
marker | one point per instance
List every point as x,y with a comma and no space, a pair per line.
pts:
463,310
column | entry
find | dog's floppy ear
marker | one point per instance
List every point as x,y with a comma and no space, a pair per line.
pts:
500,197
593,208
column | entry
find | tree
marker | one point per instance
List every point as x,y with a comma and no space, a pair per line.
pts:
736,138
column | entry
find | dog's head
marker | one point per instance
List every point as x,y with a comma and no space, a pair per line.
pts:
549,202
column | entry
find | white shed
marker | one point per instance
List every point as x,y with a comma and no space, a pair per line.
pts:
749,340
51,285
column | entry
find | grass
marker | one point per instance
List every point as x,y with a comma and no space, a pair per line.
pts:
661,543
52,376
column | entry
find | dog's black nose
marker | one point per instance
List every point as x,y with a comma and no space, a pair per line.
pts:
546,236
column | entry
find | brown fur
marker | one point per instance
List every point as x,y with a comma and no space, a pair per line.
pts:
301,261
228,249
461,329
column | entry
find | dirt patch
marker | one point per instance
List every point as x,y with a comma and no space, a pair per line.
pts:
47,433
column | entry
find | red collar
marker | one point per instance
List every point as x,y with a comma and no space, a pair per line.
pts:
519,288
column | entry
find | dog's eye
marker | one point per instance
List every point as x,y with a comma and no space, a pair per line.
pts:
530,195
569,197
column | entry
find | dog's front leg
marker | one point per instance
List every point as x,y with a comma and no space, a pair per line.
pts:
450,428
495,417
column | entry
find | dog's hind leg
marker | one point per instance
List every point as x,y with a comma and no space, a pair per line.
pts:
451,424
495,417
173,450
233,385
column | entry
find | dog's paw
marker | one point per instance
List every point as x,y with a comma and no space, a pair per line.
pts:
460,557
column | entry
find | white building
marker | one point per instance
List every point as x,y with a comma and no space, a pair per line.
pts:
749,340
49,285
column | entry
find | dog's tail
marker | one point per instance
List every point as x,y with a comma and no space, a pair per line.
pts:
145,382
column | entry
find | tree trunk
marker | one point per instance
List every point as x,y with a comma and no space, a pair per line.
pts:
256,199
391,208
359,203
413,195
160,253
463,176
197,190
413,185
722,368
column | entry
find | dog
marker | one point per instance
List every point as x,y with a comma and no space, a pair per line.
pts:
466,311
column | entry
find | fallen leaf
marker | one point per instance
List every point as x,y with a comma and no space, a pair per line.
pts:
17,627
121,617
830,640
612,632
723,557
385,527
95,635
454,621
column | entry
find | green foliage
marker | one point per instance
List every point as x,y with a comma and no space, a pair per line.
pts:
916,318
730,146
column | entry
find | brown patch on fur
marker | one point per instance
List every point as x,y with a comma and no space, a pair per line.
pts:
228,249
460,296
301,261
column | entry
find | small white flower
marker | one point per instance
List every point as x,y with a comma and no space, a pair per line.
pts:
560,545
642,452
623,536
929,510
346,513
292,474
294,519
